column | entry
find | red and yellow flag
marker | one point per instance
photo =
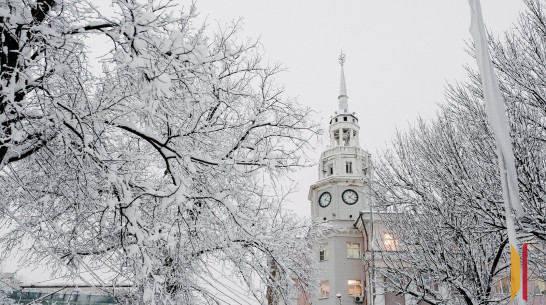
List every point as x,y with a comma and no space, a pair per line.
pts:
515,272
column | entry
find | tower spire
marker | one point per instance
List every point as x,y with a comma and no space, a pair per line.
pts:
342,88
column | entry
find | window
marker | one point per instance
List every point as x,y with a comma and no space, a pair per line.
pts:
349,167
503,286
353,250
390,242
345,118
539,287
355,287
328,169
344,137
323,253
324,290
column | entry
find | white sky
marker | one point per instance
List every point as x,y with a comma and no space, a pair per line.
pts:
400,55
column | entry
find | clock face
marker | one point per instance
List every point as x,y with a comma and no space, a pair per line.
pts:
349,197
324,199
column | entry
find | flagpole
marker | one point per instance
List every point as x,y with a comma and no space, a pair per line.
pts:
370,200
510,228
496,115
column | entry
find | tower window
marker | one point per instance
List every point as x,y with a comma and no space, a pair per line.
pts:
324,290
344,137
336,120
349,167
328,169
345,118
355,287
353,250
323,253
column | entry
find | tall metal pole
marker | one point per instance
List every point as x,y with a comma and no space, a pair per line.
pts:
509,214
496,115
371,226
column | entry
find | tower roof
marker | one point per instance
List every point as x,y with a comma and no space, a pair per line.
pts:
343,105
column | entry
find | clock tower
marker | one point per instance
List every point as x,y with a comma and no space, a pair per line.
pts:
339,196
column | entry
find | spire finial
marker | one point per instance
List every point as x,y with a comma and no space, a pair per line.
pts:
342,88
342,58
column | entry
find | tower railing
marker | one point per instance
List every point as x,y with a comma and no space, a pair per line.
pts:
343,150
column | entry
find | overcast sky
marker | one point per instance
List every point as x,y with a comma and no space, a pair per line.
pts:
400,55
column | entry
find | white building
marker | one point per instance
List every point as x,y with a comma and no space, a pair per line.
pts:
342,196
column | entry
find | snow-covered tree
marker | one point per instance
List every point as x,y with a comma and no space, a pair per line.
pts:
519,59
442,178
165,170
448,224
5,291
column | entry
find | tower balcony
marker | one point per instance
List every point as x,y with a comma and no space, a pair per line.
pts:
343,150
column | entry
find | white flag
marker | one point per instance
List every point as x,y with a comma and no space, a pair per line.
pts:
494,105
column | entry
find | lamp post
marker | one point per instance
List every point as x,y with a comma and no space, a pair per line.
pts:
372,237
